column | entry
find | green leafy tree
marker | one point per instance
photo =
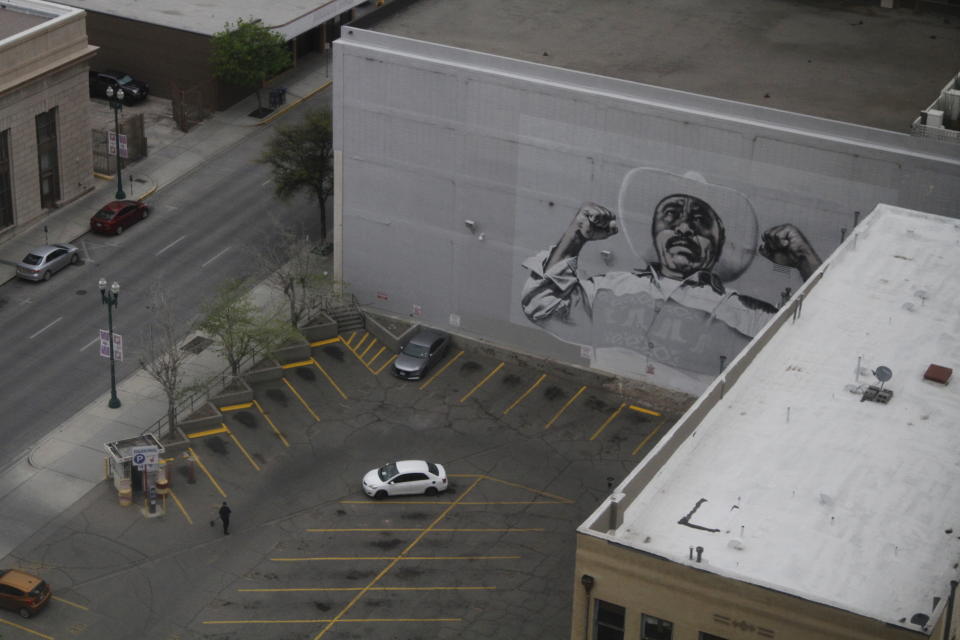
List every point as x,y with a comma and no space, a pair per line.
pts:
248,54
239,328
301,158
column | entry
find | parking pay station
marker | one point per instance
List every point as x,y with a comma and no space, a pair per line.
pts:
136,463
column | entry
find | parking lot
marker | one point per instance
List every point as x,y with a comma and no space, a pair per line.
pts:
529,452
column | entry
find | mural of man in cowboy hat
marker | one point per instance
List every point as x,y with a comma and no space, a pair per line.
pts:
676,310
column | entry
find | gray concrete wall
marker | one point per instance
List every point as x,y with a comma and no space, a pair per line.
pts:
432,136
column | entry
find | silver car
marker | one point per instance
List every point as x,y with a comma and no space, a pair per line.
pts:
43,262
424,350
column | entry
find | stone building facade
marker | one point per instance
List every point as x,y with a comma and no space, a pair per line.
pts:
45,150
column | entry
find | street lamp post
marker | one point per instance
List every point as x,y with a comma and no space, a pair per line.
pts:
116,103
110,298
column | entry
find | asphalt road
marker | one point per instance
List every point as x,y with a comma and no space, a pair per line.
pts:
200,233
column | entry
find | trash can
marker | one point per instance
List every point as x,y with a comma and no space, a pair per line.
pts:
278,96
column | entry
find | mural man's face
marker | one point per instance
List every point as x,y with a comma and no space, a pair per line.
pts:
687,235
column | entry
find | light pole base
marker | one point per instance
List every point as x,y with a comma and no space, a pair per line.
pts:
114,403
121,195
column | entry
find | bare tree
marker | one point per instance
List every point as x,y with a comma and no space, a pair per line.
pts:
296,270
162,358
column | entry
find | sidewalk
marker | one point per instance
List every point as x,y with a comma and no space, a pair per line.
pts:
69,462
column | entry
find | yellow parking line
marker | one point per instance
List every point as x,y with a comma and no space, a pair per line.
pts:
394,503
270,422
320,343
385,365
330,380
326,620
530,489
564,407
196,458
525,394
608,421
644,441
651,412
360,343
295,589
23,628
386,569
294,365
72,604
392,558
378,530
300,398
235,407
242,449
180,505
440,370
208,432
482,382
350,339
369,346
370,362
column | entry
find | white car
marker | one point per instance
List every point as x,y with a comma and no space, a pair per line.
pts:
405,477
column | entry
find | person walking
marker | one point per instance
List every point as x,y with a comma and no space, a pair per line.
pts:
225,518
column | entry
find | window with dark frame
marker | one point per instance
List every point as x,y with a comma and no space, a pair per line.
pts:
652,628
48,158
6,192
709,636
608,621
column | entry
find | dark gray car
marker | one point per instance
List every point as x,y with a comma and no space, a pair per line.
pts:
424,350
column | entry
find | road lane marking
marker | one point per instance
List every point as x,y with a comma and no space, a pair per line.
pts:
482,382
564,407
295,589
196,458
608,421
22,628
329,379
395,529
171,244
241,447
236,407
644,441
94,341
208,432
393,559
180,506
385,570
525,394
325,620
385,365
46,327
300,398
270,422
214,257
72,604
651,412
440,370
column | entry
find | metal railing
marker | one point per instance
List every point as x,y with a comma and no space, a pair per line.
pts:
204,391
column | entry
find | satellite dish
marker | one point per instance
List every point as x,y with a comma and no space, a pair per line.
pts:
883,373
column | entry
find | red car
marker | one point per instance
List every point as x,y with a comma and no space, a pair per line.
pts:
118,215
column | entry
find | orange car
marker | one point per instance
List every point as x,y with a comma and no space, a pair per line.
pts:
22,592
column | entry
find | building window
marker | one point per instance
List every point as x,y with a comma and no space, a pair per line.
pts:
710,636
47,154
656,629
609,621
6,193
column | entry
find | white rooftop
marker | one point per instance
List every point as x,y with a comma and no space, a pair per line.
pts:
289,17
852,504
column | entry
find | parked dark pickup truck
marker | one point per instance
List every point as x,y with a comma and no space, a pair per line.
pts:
133,90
